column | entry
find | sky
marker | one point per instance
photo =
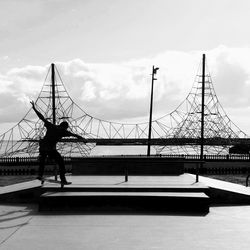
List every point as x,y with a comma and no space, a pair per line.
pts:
105,50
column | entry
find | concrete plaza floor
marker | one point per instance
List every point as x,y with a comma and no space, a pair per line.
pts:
22,227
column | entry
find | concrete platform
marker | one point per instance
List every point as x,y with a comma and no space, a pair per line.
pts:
139,193
220,192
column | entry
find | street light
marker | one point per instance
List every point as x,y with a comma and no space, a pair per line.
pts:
154,71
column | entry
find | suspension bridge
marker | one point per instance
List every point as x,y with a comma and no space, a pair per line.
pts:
198,125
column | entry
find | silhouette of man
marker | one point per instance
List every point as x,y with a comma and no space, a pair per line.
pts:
47,145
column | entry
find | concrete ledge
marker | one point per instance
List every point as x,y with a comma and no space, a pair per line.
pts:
125,201
25,192
222,192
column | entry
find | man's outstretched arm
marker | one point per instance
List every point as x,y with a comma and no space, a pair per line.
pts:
37,112
77,136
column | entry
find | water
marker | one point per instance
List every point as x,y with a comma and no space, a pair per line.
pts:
99,150
120,150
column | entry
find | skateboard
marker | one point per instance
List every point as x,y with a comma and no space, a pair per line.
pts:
54,181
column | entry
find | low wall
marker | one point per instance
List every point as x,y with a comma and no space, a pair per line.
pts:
134,165
220,167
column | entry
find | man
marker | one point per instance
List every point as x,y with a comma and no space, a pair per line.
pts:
47,145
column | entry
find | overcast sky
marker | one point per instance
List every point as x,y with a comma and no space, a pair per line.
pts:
105,50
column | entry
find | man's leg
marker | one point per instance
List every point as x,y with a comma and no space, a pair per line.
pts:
60,162
42,158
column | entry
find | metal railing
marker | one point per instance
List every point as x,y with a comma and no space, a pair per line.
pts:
206,157
197,163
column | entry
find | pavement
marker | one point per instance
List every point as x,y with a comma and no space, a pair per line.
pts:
22,227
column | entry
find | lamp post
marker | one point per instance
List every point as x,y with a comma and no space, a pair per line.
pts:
53,93
154,71
202,106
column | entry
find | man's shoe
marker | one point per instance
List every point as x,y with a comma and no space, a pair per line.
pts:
66,182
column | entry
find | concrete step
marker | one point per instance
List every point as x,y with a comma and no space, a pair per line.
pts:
129,188
196,202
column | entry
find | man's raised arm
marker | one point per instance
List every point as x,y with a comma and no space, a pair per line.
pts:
37,112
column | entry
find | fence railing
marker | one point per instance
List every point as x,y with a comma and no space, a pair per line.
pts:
211,157
26,160
29,165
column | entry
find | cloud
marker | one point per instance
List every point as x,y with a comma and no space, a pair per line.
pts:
121,91
17,88
231,76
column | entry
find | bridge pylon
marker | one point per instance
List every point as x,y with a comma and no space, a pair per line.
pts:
176,133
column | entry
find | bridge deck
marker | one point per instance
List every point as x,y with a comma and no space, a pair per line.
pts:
157,141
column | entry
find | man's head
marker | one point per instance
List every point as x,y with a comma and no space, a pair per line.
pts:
64,125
